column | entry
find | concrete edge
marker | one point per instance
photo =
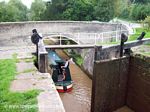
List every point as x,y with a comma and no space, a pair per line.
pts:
52,102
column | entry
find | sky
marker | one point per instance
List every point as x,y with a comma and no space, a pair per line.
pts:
25,2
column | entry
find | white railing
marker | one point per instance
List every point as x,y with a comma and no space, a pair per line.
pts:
87,38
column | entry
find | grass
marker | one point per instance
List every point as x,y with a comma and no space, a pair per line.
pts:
15,57
14,101
76,57
132,37
146,53
138,33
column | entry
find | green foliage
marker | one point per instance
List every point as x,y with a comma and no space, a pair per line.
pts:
14,10
125,10
38,8
136,10
140,1
20,10
76,57
104,10
139,11
13,101
125,13
138,33
54,9
147,23
79,10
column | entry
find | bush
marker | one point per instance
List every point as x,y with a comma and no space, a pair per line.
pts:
147,23
140,11
125,13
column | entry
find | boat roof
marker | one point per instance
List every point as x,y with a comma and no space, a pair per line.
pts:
53,57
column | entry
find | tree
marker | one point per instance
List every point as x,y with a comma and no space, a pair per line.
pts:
55,9
14,10
2,11
125,9
140,11
37,10
117,9
140,1
69,10
147,23
79,10
104,11
19,10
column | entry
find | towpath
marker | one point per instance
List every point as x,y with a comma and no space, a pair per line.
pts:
28,78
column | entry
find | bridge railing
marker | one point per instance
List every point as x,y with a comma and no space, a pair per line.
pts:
88,38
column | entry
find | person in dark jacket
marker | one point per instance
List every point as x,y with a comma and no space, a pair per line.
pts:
67,70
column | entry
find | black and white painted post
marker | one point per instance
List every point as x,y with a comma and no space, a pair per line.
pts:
41,53
35,40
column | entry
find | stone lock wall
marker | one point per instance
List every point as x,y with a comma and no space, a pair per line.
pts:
109,85
119,82
138,95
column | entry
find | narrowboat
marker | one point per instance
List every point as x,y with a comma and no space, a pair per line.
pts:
60,75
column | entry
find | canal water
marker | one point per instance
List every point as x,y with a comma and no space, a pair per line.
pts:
79,99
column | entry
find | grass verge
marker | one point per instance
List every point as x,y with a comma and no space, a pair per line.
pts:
138,33
76,57
14,101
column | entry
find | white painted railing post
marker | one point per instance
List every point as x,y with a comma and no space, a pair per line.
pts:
60,38
78,38
98,37
116,36
95,39
102,37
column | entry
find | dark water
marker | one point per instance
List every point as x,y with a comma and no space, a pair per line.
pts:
79,99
